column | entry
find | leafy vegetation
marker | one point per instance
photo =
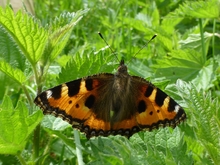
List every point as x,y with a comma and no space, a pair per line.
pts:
60,43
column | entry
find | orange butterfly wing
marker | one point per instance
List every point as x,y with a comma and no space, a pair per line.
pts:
73,102
157,109
154,109
83,104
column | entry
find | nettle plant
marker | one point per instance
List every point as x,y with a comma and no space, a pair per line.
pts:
32,59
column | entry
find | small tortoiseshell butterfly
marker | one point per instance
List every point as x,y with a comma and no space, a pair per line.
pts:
110,104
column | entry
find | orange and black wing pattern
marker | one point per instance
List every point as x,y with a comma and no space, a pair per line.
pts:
87,105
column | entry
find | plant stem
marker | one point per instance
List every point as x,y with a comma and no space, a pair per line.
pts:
78,150
36,143
202,41
28,98
20,158
213,38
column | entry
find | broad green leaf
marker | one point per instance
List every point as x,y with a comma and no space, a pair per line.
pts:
16,126
183,64
54,123
201,9
143,70
62,61
198,9
10,52
15,74
164,39
6,104
193,41
205,77
26,32
169,23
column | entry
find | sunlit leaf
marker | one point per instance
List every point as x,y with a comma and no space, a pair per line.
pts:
15,74
28,35
16,126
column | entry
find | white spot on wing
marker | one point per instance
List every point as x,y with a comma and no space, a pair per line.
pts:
177,108
49,93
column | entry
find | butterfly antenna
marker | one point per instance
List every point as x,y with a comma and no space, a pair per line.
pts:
107,44
145,45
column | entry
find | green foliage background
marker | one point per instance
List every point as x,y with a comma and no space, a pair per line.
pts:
60,43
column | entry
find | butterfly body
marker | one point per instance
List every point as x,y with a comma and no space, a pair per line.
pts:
106,104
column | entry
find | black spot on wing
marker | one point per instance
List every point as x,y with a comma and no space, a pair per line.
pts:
73,87
149,91
181,114
41,98
89,85
172,104
141,106
160,97
171,108
90,101
56,92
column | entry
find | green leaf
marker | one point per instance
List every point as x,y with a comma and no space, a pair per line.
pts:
193,41
10,51
15,74
54,123
86,65
26,32
199,9
105,151
152,148
204,119
205,77
6,104
16,126
170,144
69,141
61,30
169,22
187,65
63,60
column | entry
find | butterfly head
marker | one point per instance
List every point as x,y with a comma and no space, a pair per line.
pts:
122,69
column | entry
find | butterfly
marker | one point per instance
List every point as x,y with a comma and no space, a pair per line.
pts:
111,104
